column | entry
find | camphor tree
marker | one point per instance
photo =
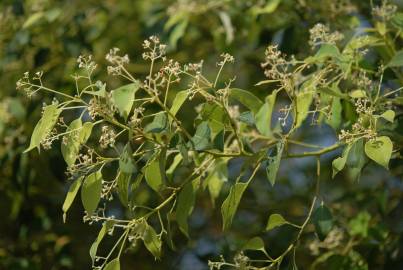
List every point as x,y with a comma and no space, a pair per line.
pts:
134,138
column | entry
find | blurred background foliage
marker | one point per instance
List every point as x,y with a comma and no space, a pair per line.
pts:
49,35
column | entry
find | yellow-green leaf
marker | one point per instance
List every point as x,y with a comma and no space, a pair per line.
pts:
275,220
71,194
91,192
230,205
379,150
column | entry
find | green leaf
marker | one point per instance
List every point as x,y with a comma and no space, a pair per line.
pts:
270,7
275,220
186,201
397,60
216,178
326,51
335,118
177,33
360,224
70,146
303,102
215,116
273,163
201,139
379,150
123,182
246,98
91,192
71,194
33,19
358,94
152,241
356,159
94,247
44,126
123,98
113,265
154,174
230,204
264,115
178,101
158,125
323,221
255,243
339,163
247,117
389,115
177,160
126,162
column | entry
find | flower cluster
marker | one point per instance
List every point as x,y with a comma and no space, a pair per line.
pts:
154,49
86,62
320,34
117,62
107,138
385,11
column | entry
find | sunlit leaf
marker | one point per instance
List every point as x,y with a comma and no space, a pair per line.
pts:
113,265
94,247
123,98
154,175
255,243
397,60
126,162
91,192
275,220
44,126
264,115
339,163
379,150
178,101
389,115
71,195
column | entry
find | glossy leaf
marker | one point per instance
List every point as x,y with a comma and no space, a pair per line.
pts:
91,192
230,204
323,220
379,150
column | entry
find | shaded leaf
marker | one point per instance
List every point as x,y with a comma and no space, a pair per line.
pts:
152,241
255,243
247,117
126,162
397,60
246,98
230,204
323,221
273,163
201,139
186,201
159,124
123,182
